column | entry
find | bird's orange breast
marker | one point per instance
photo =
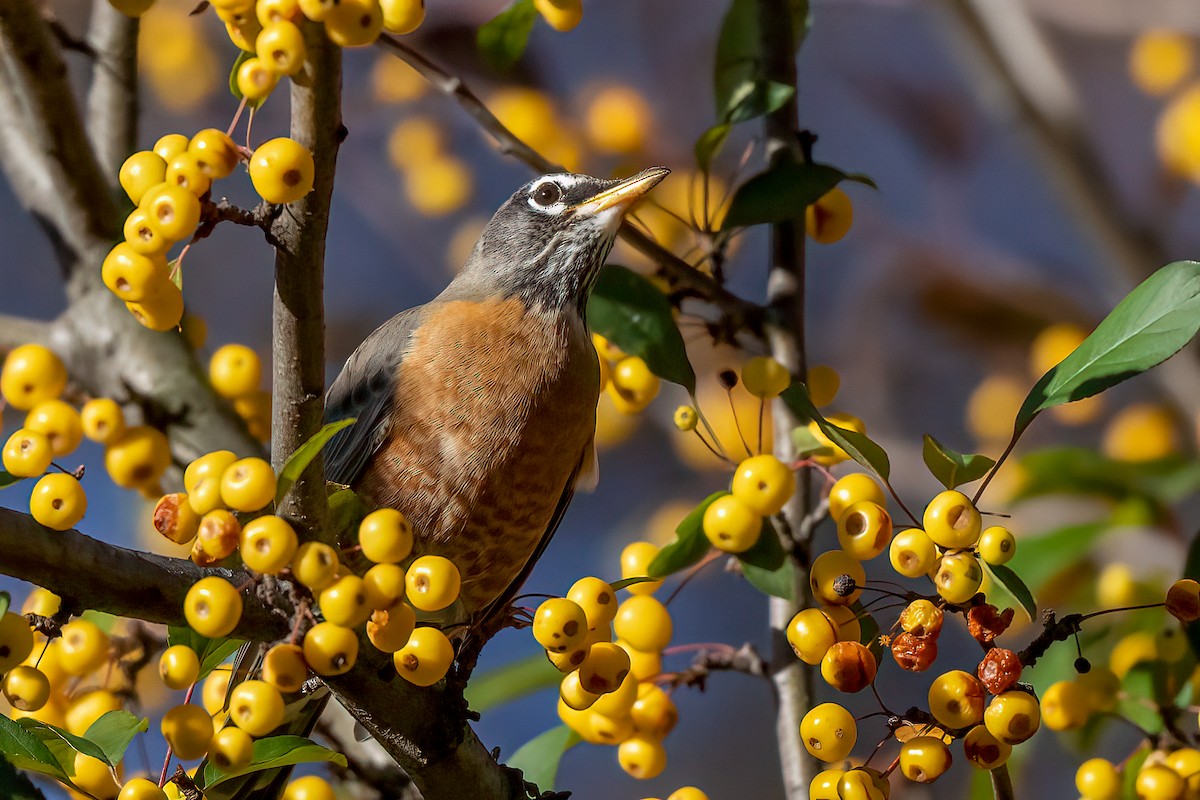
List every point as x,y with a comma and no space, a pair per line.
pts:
494,409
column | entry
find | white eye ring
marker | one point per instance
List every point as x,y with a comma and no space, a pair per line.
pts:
545,195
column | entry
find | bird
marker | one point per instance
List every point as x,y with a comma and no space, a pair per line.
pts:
476,412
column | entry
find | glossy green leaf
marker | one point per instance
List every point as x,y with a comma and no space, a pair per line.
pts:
299,460
857,445
273,752
1141,687
1150,325
538,759
212,652
346,511
806,443
1082,471
15,785
25,750
690,543
1009,591
632,313
742,80
8,479
114,732
1039,558
783,193
1131,768
502,39
511,682
766,565
710,143
5,602
953,469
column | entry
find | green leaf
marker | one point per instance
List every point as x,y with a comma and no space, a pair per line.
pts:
1141,687
1077,470
212,652
710,143
63,743
175,271
951,468
625,583
27,751
538,759
1130,769
1150,325
8,479
16,785
857,445
868,627
346,510
511,682
502,39
114,732
783,193
5,602
1009,587
690,543
101,619
766,564
741,80
633,314
806,443
299,460
273,752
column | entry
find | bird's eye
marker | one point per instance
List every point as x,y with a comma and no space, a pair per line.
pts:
547,194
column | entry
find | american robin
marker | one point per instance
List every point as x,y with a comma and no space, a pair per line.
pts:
476,411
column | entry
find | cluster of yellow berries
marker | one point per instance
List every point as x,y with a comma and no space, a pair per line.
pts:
628,381
436,183
168,186
1164,775
608,694
1161,63
235,372
270,28
32,380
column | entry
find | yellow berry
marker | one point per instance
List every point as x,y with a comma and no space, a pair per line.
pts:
218,534
764,377
1098,779
1141,432
330,649
634,383
344,602
426,658
102,420
174,210
597,600
184,171
210,465
143,234
433,583
687,793
913,553
864,530
811,633
141,789
1159,60
731,525
604,668
951,520
161,311
1013,716
26,688
571,692
863,783
764,484
402,16
1158,782
256,707
268,544
284,667
390,629
824,785
618,117
188,729
255,80
924,759
31,374
138,457
315,565
644,622
984,750
635,563
1065,706
828,574
438,186
27,454
84,647
685,417
141,171
282,169
310,787
58,501
231,749
829,219
384,584
214,151
640,756
95,777
386,536
248,485
849,667
853,488
997,545
829,732
354,23
959,576
280,46
179,666
956,700
132,276
235,370
213,607
85,709
823,383
216,686
171,145
559,625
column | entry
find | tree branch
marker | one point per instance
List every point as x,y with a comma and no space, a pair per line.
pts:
682,276
44,149
16,331
128,583
298,332
112,102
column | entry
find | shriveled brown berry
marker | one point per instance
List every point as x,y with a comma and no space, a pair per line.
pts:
986,622
175,519
848,667
999,670
914,653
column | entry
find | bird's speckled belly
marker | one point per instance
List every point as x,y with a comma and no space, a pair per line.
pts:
493,415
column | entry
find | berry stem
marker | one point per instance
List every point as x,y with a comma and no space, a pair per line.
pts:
237,116
1121,608
712,556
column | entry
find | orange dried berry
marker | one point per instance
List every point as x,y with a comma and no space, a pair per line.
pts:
174,518
848,667
1183,600
985,622
914,653
999,670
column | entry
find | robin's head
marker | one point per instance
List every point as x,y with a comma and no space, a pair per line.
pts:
549,240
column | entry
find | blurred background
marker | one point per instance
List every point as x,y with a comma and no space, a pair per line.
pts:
1034,159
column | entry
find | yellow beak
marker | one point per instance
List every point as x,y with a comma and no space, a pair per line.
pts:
625,193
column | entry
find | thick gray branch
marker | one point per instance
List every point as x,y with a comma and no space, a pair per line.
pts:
298,335
112,101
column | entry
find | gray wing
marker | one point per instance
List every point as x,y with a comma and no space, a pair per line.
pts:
365,390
